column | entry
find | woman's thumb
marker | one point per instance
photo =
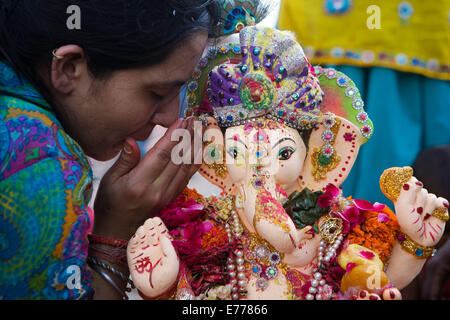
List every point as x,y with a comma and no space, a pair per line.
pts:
128,159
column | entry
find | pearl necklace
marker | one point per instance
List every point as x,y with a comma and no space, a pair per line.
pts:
235,262
319,289
332,238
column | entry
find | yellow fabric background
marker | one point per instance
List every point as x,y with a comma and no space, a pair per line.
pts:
419,44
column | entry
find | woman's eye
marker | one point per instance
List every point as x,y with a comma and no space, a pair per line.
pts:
233,151
285,153
157,96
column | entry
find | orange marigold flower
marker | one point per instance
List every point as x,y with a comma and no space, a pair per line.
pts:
216,237
193,194
378,232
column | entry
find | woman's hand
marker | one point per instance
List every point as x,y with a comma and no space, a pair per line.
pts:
133,191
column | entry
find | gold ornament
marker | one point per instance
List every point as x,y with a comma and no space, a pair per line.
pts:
320,172
441,214
321,162
330,229
392,181
412,247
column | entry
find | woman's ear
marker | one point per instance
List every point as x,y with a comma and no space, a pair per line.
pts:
214,168
321,168
68,68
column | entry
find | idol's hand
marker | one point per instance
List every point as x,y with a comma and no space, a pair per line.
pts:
416,213
152,259
133,190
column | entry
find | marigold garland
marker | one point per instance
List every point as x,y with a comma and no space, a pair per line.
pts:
193,194
216,237
377,233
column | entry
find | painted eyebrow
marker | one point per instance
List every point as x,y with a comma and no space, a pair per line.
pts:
239,141
281,140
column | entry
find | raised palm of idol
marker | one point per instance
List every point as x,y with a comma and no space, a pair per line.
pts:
282,137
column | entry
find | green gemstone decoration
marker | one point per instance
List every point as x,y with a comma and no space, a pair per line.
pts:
256,92
324,161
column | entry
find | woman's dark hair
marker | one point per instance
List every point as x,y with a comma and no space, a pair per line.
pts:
115,34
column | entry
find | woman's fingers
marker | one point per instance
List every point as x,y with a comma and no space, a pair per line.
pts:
160,155
128,159
181,156
180,181
176,175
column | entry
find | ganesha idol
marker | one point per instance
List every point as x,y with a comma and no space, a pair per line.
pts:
281,138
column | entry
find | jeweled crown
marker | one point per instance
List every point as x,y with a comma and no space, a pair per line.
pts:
268,76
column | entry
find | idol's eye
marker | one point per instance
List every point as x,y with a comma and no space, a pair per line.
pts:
285,153
233,151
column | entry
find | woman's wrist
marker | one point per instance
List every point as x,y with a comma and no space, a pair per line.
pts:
107,257
108,226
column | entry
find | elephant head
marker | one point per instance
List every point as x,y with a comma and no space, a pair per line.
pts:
275,125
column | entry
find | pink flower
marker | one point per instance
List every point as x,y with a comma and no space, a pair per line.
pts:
187,238
351,217
331,194
383,218
366,205
367,254
305,289
180,212
350,266
363,204
378,207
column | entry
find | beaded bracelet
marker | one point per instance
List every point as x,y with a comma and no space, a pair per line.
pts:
414,248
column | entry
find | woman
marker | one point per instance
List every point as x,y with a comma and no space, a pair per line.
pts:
93,90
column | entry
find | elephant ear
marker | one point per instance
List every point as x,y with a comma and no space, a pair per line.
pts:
213,167
343,127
